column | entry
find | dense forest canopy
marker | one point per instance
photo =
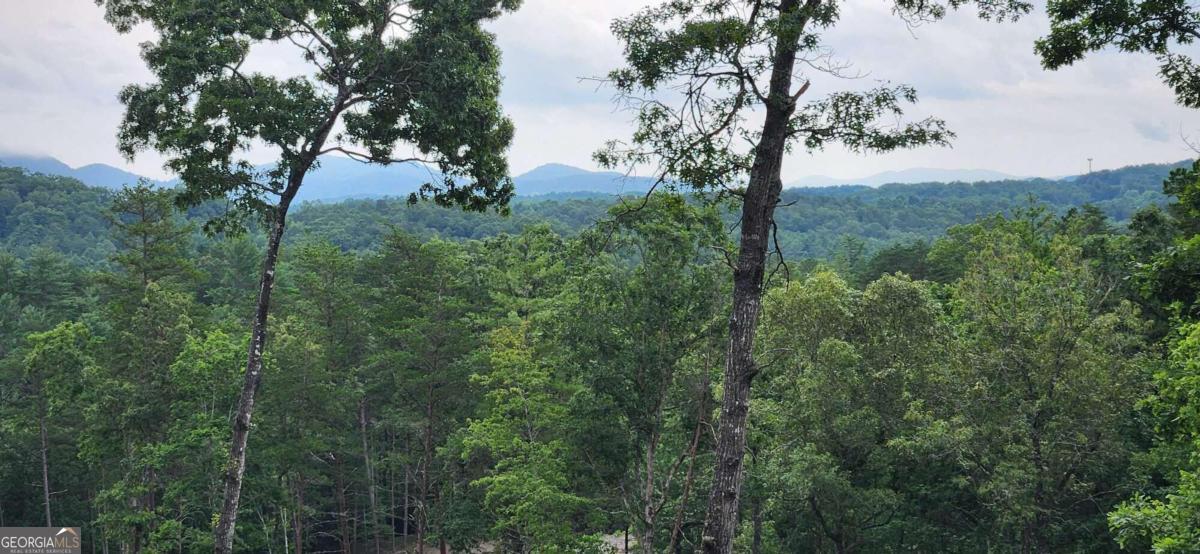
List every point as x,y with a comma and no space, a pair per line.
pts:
718,365
60,214
547,382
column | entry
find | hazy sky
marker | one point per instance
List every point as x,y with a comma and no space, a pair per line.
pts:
61,66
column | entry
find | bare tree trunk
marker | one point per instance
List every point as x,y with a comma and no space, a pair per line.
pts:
45,463
236,467
298,519
340,493
404,526
649,514
677,528
423,519
241,423
285,527
758,210
372,519
391,508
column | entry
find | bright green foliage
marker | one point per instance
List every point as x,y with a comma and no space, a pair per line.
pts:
522,432
1170,522
1168,526
55,363
189,458
1003,419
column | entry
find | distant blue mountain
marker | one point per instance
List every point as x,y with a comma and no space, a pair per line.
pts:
553,171
35,164
914,175
338,178
96,175
558,178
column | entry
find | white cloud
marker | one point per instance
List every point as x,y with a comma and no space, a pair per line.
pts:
61,67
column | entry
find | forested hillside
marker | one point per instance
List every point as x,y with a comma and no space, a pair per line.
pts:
60,214
463,380
349,322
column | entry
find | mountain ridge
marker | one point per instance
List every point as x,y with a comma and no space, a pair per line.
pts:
908,176
339,178
95,174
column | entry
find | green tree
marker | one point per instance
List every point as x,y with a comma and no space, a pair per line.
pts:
841,370
735,60
49,284
1167,521
54,366
146,320
1042,389
522,430
151,244
426,303
384,72
191,456
307,456
129,395
646,293
321,361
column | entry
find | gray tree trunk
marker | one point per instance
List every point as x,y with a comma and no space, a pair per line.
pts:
241,422
371,517
45,465
236,468
758,210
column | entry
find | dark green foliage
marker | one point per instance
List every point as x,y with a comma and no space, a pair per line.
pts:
424,85
812,221
520,389
52,212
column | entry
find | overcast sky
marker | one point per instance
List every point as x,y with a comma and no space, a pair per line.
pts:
61,66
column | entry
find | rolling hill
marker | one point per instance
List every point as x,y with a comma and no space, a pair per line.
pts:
338,178
96,175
